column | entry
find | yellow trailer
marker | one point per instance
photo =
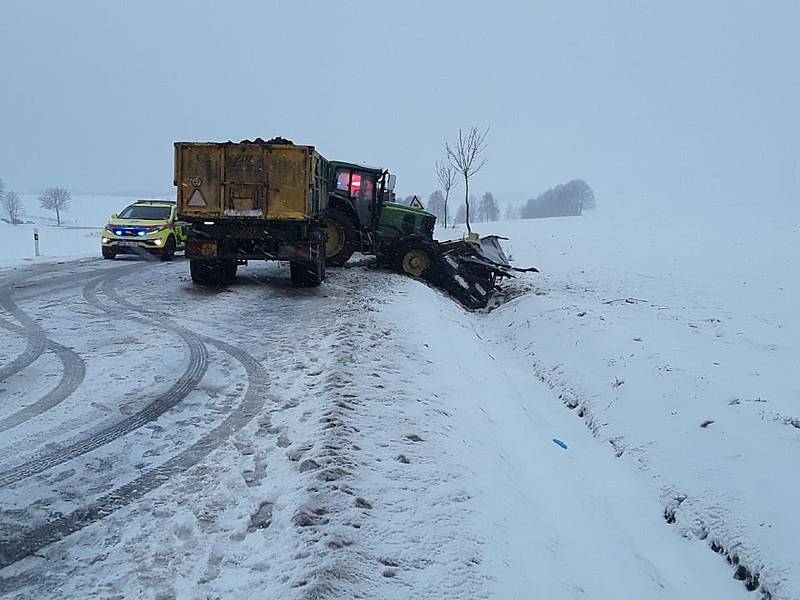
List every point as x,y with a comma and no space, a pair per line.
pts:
252,201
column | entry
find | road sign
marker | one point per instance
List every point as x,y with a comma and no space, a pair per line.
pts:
416,203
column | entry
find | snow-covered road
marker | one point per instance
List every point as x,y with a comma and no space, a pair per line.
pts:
362,439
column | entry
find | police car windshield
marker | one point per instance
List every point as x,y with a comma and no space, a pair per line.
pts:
145,213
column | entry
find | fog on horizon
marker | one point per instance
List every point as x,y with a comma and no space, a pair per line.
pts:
648,102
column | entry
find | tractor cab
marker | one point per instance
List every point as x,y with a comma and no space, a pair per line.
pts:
360,191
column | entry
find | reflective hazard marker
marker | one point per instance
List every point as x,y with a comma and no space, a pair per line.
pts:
416,203
197,199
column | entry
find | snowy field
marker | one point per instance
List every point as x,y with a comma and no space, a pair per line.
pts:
372,439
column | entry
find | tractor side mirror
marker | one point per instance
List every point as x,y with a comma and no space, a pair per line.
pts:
391,183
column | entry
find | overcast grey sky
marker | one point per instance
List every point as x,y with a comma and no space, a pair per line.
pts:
648,101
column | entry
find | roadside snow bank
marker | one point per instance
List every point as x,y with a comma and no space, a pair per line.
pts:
529,517
677,341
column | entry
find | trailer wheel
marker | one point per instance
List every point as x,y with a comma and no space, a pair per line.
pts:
310,274
204,272
416,259
307,274
340,237
227,269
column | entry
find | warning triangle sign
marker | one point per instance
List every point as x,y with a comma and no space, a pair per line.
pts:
197,199
415,203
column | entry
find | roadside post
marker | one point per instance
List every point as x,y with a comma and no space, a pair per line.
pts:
36,241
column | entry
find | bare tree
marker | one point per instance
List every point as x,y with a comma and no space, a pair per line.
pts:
55,199
465,157
447,179
12,205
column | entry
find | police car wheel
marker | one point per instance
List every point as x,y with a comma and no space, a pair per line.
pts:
169,249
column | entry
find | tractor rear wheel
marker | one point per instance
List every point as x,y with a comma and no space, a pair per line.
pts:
340,237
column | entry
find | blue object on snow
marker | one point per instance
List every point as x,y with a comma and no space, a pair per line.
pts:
558,442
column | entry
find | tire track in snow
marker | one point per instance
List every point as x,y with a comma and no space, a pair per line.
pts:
74,372
36,340
36,538
194,372
34,283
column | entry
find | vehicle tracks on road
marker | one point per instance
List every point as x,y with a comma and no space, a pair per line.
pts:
36,338
194,372
255,396
73,374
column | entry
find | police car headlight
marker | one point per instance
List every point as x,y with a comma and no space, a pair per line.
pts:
158,242
105,240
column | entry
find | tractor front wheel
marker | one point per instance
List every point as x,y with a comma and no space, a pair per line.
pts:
416,259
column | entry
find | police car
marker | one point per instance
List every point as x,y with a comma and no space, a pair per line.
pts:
146,226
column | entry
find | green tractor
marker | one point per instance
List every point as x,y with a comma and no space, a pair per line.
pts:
362,218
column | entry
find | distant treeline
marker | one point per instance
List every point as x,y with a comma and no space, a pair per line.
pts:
564,200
